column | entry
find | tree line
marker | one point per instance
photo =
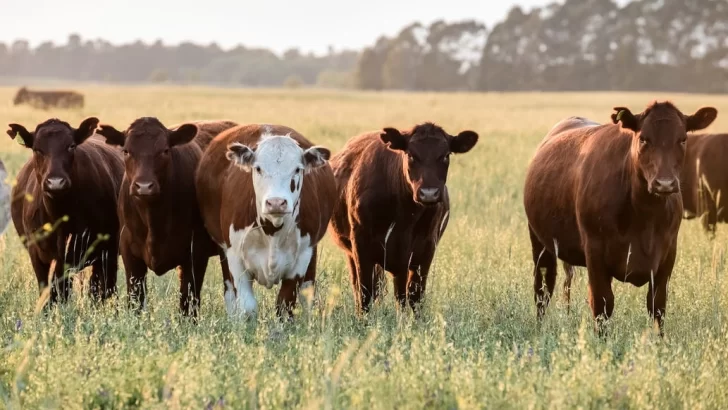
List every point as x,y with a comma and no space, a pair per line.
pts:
659,45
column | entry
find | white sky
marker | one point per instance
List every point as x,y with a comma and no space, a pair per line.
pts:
310,25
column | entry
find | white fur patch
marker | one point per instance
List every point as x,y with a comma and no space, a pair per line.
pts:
253,255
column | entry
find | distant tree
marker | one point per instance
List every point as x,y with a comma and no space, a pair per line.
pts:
335,79
293,81
159,75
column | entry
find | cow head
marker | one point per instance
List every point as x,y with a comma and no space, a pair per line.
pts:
54,145
425,153
21,96
659,142
278,165
146,145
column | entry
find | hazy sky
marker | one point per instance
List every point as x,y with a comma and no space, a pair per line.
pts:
275,24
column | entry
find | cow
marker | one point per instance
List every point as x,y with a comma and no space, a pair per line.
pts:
393,207
4,199
161,223
607,196
47,99
266,195
705,180
64,205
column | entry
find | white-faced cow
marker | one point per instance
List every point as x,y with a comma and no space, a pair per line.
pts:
266,195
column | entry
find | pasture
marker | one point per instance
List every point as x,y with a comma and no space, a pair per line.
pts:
477,344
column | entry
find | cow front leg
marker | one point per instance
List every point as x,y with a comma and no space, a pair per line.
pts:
242,301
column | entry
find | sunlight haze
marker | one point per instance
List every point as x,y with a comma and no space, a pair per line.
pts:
275,24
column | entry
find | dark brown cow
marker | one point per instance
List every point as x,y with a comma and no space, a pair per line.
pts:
74,178
46,99
393,206
608,197
266,196
705,179
161,224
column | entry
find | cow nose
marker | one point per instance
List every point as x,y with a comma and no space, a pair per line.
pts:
665,185
144,188
276,206
429,194
56,184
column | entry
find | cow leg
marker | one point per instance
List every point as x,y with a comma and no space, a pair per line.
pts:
569,275
365,284
191,277
657,293
136,278
417,275
544,274
601,297
709,216
228,282
104,270
242,300
290,288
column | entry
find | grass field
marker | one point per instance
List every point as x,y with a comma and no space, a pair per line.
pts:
476,345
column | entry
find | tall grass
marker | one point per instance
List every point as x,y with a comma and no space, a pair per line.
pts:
477,343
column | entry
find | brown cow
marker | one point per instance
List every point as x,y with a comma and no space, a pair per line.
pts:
46,99
705,179
266,196
64,199
161,224
608,197
393,206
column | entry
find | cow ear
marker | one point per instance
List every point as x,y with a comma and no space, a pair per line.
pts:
182,135
85,130
240,155
394,139
701,119
463,142
628,120
315,157
17,129
112,135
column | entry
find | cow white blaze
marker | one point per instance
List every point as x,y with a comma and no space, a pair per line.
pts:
278,166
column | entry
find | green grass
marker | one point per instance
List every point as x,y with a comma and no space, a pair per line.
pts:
477,343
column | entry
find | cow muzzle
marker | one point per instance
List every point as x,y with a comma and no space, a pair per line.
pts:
145,189
429,195
665,186
276,206
56,185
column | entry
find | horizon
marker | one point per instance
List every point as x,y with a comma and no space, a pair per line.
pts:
113,22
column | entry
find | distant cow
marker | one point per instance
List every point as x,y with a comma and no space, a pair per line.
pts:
48,99
705,179
393,206
161,224
4,199
266,196
64,199
608,197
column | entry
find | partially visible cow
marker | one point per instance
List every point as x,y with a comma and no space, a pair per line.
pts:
608,197
48,99
393,206
266,194
705,179
65,200
4,199
161,224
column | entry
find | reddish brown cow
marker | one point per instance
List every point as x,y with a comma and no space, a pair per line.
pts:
70,183
608,197
161,224
46,99
266,196
393,206
705,179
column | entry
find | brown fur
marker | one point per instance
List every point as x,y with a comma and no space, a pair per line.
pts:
379,212
163,229
227,197
705,179
591,200
94,171
48,99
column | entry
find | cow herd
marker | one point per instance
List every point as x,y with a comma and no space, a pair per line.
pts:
261,197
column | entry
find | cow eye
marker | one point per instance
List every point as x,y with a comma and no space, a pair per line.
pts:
643,141
166,151
71,147
445,158
683,142
258,170
410,158
37,152
125,152
297,171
